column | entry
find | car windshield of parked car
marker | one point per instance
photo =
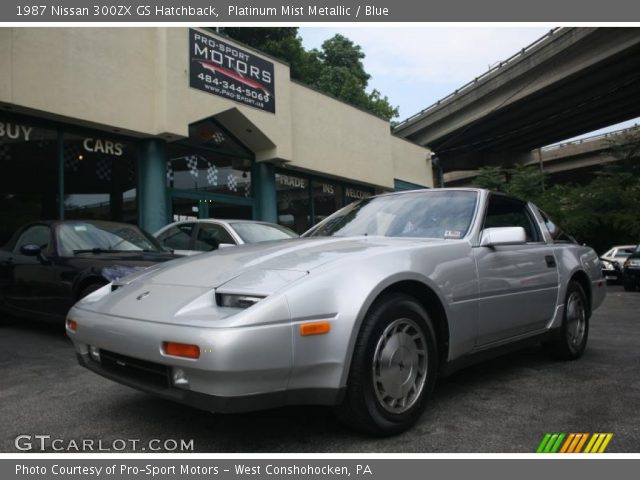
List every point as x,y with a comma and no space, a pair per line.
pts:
426,214
261,232
85,237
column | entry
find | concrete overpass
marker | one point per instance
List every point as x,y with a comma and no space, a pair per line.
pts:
574,161
569,82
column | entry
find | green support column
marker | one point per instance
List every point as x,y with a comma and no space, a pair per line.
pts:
264,191
152,191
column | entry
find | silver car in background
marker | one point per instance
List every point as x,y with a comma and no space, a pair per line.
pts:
363,313
189,237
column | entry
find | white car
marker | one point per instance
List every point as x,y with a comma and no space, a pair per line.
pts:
196,236
618,254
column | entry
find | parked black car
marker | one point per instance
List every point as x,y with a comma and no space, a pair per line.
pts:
631,271
47,266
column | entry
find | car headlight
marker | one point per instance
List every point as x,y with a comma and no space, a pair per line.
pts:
607,265
635,262
236,301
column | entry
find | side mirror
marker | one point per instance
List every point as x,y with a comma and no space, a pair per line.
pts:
494,237
31,250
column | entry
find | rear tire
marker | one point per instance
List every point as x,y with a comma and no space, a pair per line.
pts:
393,369
570,340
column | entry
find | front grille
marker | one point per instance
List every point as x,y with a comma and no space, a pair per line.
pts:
135,369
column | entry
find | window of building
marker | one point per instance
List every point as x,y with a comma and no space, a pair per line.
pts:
28,175
210,160
293,202
327,198
99,178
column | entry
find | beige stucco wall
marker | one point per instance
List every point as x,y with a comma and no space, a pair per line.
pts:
135,80
411,162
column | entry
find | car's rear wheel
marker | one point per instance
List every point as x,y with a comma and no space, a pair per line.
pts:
570,341
393,369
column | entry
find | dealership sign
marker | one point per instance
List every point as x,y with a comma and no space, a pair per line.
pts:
221,69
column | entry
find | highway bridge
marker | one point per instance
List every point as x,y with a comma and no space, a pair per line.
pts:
569,82
574,161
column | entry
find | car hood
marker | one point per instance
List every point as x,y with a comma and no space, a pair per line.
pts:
301,254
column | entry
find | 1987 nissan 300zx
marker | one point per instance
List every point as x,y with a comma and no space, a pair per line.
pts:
363,313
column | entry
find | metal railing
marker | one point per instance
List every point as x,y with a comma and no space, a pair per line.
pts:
500,65
592,138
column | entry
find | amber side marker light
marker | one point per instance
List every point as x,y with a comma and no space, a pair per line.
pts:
72,325
315,328
181,350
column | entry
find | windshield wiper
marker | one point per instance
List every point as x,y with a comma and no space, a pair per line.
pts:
96,250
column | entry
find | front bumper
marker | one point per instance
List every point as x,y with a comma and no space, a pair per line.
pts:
631,275
216,403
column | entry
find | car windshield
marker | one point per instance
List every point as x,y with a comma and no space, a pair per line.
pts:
81,237
261,232
427,214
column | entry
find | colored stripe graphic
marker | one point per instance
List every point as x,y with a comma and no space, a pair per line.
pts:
574,443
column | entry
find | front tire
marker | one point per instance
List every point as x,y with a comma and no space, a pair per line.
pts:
570,341
393,369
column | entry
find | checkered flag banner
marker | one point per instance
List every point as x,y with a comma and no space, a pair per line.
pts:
192,163
5,152
212,174
247,188
71,153
169,171
103,168
217,137
232,183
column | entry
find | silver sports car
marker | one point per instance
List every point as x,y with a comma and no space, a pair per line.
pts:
363,312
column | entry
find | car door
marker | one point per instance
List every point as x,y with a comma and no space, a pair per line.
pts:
31,278
178,238
518,284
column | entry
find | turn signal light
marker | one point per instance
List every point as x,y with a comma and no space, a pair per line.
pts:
72,325
181,350
315,328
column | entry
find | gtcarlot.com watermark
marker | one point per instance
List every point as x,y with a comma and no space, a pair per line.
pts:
47,443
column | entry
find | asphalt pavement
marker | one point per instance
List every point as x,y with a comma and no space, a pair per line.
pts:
504,405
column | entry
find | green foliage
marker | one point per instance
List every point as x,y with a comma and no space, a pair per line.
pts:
336,69
602,213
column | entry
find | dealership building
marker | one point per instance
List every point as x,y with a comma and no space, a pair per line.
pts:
150,125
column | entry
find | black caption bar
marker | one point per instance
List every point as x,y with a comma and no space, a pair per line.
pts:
370,469
272,11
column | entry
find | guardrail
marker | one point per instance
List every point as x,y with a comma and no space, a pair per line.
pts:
473,82
593,138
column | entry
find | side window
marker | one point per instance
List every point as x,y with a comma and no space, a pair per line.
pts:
210,235
557,234
508,212
177,237
37,234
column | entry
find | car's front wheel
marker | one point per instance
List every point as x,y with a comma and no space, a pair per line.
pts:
393,369
570,341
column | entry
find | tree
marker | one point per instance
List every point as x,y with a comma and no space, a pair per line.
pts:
336,69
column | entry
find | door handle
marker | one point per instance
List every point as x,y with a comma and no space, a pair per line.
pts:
551,261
